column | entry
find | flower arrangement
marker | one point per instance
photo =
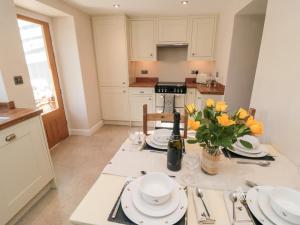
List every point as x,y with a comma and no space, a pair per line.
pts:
215,128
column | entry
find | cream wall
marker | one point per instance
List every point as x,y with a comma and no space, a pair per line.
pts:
244,53
12,59
276,87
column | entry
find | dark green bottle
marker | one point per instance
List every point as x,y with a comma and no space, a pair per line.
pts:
175,146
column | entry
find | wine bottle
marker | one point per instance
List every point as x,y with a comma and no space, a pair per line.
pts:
175,146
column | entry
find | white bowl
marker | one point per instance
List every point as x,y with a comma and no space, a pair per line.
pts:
251,139
156,188
286,203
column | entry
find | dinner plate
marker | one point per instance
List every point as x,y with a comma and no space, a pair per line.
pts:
149,142
139,218
258,155
265,206
162,135
155,210
252,203
248,151
163,145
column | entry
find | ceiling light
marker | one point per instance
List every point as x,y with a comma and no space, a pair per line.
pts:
116,5
184,2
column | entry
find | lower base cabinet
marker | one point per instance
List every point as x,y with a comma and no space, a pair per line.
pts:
25,166
114,103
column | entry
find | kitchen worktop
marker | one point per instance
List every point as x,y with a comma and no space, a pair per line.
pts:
9,115
145,82
219,89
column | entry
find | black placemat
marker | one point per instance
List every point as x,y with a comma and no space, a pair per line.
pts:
229,154
122,218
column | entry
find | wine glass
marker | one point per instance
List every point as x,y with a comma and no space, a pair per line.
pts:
191,162
135,135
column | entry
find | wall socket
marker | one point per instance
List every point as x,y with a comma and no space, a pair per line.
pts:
195,72
144,71
18,80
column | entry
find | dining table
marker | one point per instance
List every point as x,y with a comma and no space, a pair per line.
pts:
130,159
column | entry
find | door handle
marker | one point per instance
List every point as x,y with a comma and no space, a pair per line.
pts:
10,137
124,91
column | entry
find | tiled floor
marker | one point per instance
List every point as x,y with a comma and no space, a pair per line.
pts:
78,161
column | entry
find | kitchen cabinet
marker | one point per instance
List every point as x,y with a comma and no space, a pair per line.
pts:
172,30
114,103
190,95
25,166
142,39
202,37
137,98
110,39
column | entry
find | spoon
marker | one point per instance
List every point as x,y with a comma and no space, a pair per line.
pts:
200,195
260,163
233,197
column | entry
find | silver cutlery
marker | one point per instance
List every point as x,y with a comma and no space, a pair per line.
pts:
242,198
119,201
260,163
250,183
143,172
233,198
186,214
200,195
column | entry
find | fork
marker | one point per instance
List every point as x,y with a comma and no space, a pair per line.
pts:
242,198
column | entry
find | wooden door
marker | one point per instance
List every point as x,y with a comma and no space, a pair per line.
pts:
38,49
114,103
142,40
202,37
111,51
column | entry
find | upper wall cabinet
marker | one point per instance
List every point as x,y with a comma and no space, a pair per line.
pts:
142,39
172,30
111,50
202,37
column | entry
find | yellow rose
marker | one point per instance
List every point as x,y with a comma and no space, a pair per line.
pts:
221,106
257,129
191,109
250,121
194,125
242,113
210,102
225,121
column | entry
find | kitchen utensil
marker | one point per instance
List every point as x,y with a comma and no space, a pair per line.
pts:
233,199
259,163
242,198
200,195
119,201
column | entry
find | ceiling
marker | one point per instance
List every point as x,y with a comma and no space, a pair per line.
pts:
151,7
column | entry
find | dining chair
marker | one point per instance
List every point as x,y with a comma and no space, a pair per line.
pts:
163,117
252,112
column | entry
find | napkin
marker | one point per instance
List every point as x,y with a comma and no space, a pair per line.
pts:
199,208
242,217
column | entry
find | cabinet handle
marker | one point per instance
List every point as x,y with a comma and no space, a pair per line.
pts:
142,92
151,54
124,91
124,83
193,54
10,137
150,99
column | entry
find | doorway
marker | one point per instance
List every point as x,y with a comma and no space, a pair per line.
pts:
40,60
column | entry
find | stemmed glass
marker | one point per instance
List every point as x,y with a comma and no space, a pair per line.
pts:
191,162
135,135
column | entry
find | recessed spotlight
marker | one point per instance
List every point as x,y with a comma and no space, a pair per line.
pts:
184,2
116,5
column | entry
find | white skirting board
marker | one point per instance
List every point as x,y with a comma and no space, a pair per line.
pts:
86,132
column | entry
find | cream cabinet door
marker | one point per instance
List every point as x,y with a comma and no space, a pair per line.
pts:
25,166
114,103
172,30
111,50
202,40
136,106
190,96
142,39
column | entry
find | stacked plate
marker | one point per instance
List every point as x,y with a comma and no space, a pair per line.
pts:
159,139
256,151
154,199
271,205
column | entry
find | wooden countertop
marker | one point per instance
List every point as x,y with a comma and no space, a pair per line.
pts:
144,82
203,89
16,115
